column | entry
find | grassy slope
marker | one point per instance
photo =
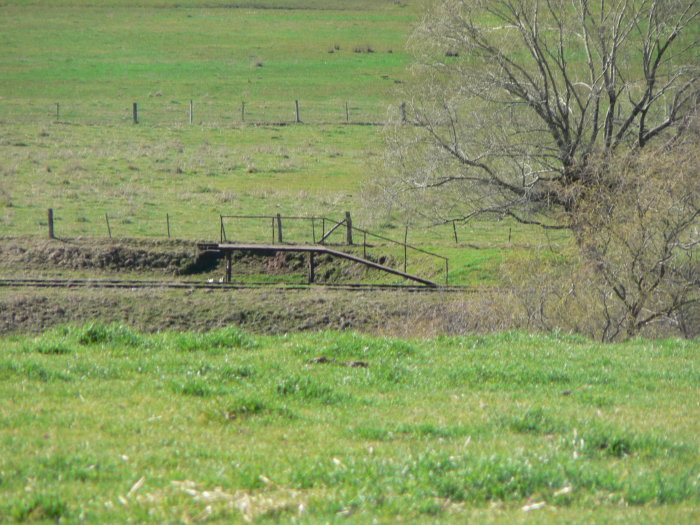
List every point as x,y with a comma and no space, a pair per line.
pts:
447,430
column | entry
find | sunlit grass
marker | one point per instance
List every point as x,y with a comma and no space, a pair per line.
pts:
104,423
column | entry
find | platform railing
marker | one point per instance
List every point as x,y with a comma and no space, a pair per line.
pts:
326,227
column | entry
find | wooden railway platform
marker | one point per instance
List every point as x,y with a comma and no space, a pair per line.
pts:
312,250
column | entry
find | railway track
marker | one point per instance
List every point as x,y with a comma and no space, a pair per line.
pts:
199,285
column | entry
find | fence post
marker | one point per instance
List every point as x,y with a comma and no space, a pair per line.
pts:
348,224
364,244
58,111
279,228
405,249
454,228
313,229
50,214
242,111
109,229
191,112
167,221
347,113
296,105
136,113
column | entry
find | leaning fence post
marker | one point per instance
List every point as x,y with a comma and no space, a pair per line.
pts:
136,113
348,224
279,228
109,229
50,214
454,228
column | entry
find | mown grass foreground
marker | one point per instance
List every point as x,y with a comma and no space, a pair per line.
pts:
104,424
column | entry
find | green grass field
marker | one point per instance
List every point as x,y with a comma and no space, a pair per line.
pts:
96,59
104,424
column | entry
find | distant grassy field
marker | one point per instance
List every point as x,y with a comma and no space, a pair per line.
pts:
95,59
104,424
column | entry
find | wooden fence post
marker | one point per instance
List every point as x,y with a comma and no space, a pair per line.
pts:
454,228
58,111
191,112
242,111
405,249
296,105
50,214
136,113
109,230
279,228
347,113
167,220
348,224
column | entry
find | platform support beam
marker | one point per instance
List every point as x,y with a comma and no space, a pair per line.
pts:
312,268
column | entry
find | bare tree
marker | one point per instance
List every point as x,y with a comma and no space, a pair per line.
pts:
642,240
513,99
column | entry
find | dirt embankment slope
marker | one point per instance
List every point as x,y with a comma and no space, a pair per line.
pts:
263,311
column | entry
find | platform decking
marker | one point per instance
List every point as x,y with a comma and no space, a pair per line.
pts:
311,249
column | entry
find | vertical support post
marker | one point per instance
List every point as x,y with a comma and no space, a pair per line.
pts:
347,112
242,111
109,229
364,244
403,112
296,105
312,268
136,113
228,266
447,272
279,228
191,112
454,229
58,111
405,249
313,229
50,217
348,224
272,221
167,221
510,234
323,229
222,233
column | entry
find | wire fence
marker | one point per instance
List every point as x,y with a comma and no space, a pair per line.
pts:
159,112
